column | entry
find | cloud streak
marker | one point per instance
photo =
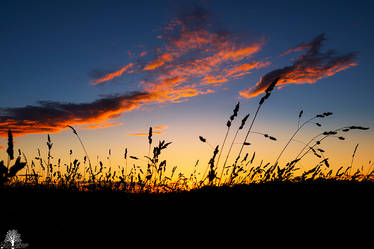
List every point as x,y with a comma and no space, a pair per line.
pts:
112,75
52,116
101,126
155,130
310,67
195,57
142,133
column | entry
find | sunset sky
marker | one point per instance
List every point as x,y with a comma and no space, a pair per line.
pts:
112,69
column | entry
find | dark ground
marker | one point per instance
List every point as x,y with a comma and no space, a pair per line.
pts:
199,218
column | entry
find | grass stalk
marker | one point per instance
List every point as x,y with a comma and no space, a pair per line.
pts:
291,138
246,136
228,124
353,157
85,151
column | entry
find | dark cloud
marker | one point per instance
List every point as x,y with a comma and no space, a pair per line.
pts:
52,116
307,68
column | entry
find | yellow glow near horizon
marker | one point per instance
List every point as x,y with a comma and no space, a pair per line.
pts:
186,149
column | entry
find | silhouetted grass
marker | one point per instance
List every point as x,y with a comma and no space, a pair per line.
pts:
54,201
148,174
69,176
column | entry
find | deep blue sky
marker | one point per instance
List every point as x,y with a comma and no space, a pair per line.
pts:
48,49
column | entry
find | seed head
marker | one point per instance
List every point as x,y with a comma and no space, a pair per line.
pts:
272,85
74,131
202,139
301,113
10,150
243,121
150,135
236,109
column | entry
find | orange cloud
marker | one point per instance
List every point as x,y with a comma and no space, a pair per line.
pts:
245,68
238,53
52,117
155,130
111,75
178,94
100,126
213,79
193,60
2,147
146,133
193,52
298,48
161,83
198,57
308,68
161,127
188,40
161,60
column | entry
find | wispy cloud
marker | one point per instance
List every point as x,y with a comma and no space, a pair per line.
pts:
313,65
155,130
195,57
112,75
145,133
161,127
159,61
100,126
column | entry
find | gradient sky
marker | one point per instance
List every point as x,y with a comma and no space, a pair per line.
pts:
112,69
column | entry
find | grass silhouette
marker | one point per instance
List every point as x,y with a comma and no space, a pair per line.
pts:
153,178
83,195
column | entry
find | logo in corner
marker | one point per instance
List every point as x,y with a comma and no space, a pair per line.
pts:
12,240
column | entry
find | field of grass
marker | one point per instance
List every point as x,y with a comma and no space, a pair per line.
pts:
66,197
148,174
